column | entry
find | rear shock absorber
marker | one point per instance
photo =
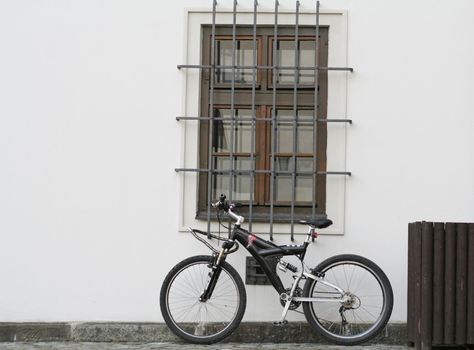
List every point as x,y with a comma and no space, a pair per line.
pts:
283,266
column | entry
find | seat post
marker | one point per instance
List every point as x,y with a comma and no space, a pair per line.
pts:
309,236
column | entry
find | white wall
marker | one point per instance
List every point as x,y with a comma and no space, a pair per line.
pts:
88,144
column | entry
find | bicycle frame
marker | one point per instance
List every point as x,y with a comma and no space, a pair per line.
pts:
260,249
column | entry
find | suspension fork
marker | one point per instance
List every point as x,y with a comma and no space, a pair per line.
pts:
216,270
215,273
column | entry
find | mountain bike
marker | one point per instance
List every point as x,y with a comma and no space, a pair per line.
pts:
347,298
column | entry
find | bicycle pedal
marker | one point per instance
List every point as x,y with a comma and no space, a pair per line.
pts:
280,323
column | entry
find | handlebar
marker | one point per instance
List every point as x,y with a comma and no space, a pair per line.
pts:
222,204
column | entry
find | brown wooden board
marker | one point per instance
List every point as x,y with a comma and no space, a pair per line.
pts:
426,284
461,284
417,285
470,287
438,283
411,325
450,284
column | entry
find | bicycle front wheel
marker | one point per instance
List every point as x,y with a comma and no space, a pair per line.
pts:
202,322
356,312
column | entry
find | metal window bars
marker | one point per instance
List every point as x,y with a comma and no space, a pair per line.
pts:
274,129
275,67
254,124
295,118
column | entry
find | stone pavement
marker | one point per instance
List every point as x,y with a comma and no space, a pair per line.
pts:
181,346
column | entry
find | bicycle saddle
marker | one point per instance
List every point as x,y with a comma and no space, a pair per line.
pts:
317,223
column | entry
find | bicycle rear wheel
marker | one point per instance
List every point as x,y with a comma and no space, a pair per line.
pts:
367,295
196,321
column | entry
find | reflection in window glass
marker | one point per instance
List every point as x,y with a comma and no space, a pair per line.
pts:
243,57
241,183
304,183
222,131
286,57
304,131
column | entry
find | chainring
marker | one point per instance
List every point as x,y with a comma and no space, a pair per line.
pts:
293,304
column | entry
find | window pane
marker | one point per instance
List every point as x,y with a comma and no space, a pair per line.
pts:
283,183
222,131
304,131
307,59
286,57
241,183
243,57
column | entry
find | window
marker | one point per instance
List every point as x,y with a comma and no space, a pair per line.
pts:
224,142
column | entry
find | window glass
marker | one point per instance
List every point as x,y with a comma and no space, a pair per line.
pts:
286,57
283,183
241,183
304,131
243,57
242,131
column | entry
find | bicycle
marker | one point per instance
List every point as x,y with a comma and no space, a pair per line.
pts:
347,298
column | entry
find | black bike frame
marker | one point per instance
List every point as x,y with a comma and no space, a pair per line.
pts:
261,249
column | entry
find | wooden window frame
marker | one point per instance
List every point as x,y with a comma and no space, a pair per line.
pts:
263,106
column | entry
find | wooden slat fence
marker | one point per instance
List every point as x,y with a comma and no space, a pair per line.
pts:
440,284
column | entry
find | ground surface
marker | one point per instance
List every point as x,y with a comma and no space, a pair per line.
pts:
180,346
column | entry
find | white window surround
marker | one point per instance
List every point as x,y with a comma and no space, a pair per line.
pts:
337,103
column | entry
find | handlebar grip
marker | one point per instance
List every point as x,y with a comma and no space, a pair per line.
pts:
222,198
221,203
228,207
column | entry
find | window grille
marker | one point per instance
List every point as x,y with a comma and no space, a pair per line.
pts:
219,70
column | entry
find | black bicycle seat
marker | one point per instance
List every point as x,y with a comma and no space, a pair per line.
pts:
317,223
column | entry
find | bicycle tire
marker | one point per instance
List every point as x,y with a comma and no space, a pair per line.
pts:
322,322
197,270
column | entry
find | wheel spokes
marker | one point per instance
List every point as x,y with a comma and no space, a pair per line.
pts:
197,318
362,308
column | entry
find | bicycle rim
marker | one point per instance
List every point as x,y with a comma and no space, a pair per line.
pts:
363,312
202,319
